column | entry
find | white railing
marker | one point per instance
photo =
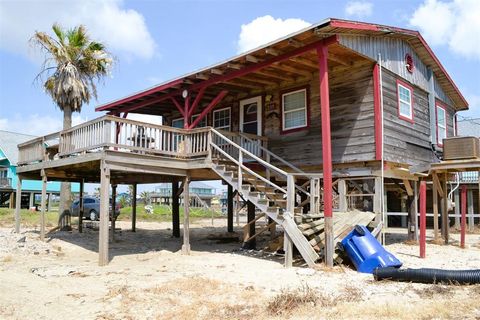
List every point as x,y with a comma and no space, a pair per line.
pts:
469,177
226,148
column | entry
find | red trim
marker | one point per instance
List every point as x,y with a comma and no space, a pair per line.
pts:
409,87
375,27
179,107
212,105
377,110
307,98
238,73
423,218
354,25
322,53
186,118
196,101
463,220
442,106
139,95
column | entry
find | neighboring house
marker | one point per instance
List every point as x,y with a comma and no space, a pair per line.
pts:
31,189
200,190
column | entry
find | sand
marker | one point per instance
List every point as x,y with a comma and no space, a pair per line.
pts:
149,278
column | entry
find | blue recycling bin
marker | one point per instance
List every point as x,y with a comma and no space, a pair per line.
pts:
365,252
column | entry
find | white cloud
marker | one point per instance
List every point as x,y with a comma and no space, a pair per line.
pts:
452,23
265,29
124,31
37,125
359,9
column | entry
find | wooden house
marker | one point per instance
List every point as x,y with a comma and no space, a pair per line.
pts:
305,128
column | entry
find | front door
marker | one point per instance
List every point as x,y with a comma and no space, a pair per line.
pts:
251,121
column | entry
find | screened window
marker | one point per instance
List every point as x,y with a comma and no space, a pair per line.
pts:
202,123
294,109
441,125
405,105
178,123
221,119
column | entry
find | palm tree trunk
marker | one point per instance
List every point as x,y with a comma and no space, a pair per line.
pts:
65,189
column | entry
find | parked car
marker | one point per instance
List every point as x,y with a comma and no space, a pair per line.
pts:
92,208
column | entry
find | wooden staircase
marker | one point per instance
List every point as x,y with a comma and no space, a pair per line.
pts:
232,162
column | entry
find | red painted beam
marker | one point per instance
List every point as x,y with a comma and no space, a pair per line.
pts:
179,107
238,73
322,53
212,104
423,218
377,109
139,95
195,103
186,118
463,221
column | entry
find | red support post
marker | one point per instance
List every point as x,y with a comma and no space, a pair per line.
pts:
195,103
377,109
322,53
186,118
212,104
179,107
423,218
463,220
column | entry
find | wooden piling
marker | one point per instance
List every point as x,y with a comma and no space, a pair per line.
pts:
104,214
43,204
230,208
18,202
186,221
175,210
134,207
113,218
81,207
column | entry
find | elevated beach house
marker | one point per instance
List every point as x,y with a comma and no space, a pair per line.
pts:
339,116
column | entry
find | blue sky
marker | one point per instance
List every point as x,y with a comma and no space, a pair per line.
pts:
154,41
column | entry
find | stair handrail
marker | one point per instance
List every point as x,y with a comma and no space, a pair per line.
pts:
247,169
280,171
285,162
240,164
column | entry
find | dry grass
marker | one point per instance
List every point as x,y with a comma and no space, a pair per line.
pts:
434,290
287,301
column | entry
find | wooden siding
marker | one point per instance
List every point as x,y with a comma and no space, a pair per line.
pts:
393,53
406,142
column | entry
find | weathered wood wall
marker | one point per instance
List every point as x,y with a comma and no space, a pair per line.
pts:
393,53
404,141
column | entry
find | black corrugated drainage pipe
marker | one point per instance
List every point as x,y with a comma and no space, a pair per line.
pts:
426,275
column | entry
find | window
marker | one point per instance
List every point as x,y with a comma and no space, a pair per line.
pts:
405,101
294,110
202,123
441,124
178,123
221,119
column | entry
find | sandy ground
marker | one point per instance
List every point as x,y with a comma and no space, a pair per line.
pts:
149,278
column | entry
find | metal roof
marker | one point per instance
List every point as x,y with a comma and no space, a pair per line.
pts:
9,142
307,35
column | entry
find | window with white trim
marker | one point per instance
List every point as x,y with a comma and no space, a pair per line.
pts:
441,124
294,109
202,123
221,119
178,123
405,105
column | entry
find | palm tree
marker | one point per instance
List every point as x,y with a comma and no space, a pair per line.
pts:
73,64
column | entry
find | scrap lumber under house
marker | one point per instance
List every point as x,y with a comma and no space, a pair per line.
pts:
315,131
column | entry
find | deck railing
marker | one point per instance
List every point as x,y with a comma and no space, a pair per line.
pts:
124,135
5,182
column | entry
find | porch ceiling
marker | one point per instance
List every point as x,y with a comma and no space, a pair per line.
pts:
156,101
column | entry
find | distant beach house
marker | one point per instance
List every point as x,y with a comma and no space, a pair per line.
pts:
8,174
198,189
